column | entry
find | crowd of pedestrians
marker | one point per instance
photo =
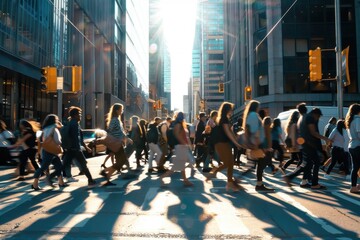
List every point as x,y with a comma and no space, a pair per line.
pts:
212,144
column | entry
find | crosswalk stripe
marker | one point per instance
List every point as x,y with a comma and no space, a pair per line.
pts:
342,196
321,222
227,220
85,211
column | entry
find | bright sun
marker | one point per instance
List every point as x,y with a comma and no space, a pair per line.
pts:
179,26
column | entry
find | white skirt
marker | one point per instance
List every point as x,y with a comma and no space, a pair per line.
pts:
182,156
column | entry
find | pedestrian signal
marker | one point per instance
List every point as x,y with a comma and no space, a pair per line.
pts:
315,64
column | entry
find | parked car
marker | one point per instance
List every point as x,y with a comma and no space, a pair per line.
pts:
89,136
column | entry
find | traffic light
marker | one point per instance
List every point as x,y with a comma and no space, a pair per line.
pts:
48,80
315,64
247,94
221,87
76,82
345,66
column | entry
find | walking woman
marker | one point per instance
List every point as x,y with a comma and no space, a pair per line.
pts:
276,135
116,129
182,150
352,123
223,145
266,160
291,132
27,141
50,127
337,148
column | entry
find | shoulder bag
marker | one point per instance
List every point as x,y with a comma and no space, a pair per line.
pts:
50,146
111,142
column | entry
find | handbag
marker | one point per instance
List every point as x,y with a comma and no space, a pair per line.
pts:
50,146
255,154
111,142
248,140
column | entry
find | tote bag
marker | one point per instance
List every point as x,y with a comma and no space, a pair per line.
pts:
111,142
50,146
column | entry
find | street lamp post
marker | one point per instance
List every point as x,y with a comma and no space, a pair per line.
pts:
96,107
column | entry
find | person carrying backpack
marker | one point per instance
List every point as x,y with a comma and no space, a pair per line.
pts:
182,150
153,139
163,143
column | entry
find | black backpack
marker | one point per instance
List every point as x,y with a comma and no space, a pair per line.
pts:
152,134
65,137
172,141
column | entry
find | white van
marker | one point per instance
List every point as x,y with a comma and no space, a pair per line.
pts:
328,112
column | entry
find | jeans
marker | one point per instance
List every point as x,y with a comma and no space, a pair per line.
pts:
337,155
154,148
355,159
47,159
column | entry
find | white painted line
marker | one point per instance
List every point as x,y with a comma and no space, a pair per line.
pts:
226,218
352,200
322,223
93,203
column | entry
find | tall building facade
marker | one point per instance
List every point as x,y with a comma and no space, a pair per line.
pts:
267,49
63,33
137,58
210,31
156,57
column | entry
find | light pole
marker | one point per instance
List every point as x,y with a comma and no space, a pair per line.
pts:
338,59
96,107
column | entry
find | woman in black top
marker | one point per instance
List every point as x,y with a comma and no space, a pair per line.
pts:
223,145
27,142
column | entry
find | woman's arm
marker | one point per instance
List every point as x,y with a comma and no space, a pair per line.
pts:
230,134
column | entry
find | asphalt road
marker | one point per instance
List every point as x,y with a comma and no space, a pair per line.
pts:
138,207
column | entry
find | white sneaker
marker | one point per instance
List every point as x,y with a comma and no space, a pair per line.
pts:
72,179
327,176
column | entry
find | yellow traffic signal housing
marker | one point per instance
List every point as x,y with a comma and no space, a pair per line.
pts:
76,83
48,80
315,64
221,87
247,94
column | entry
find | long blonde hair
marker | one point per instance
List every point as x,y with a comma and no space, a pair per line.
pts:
113,113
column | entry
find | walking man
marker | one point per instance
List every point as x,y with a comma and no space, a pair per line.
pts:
74,151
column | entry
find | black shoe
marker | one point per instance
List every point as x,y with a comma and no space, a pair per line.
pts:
162,170
262,188
63,185
103,173
35,188
91,184
20,179
110,184
81,173
206,169
306,185
150,170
